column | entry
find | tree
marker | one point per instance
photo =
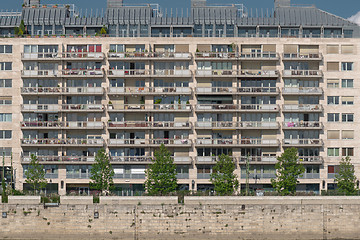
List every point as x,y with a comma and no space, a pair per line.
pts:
19,31
223,177
102,173
161,175
35,175
287,172
345,178
103,30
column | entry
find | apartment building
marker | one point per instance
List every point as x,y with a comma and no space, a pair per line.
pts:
215,80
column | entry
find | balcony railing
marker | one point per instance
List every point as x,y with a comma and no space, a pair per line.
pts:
170,90
216,90
42,124
303,107
40,56
40,107
302,56
172,72
144,124
81,55
206,141
221,55
259,124
41,90
261,142
124,55
311,159
209,159
302,142
82,73
302,73
127,141
303,124
259,73
84,124
302,90
307,175
177,142
260,107
131,159
186,107
82,107
173,55
216,72
219,124
132,55
260,55
84,90
265,159
39,73
68,141
256,90
129,72
59,159
128,90
226,107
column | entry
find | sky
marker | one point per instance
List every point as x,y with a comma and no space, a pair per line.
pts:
343,8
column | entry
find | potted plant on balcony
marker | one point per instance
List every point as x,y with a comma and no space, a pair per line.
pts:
179,103
111,106
142,102
187,104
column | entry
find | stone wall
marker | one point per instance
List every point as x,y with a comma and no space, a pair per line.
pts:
248,218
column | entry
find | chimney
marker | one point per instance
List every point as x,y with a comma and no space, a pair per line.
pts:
114,3
282,3
198,3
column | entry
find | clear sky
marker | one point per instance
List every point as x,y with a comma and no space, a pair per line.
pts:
343,8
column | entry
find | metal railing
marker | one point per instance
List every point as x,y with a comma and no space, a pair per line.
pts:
258,90
128,72
302,107
305,56
204,90
39,73
127,141
82,107
259,73
201,106
40,107
82,73
302,90
172,72
303,124
40,55
259,55
216,72
304,73
56,141
222,55
79,55
305,141
171,141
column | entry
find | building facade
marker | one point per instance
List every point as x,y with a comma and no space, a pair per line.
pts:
217,81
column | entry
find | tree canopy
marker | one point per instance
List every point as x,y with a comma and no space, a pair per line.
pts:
35,175
345,178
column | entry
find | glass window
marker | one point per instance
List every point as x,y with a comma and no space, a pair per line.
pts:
347,100
333,100
5,117
333,117
347,117
5,66
347,66
5,83
347,152
333,152
5,134
5,48
333,83
347,83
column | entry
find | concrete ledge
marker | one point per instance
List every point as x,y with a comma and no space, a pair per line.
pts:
143,200
24,199
228,200
76,200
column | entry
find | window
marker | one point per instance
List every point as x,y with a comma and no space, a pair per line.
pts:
5,83
332,49
5,117
348,134
347,83
333,100
5,100
333,117
5,134
333,134
347,66
5,66
333,152
347,100
347,117
333,83
5,48
5,151
347,152
333,66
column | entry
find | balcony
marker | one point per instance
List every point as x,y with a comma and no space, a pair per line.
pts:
172,73
258,159
129,73
83,125
303,142
171,142
216,107
128,90
91,56
259,142
259,73
41,124
258,91
216,55
170,90
39,73
216,73
41,90
170,55
312,175
62,142
273,56
303,73
217,125
209,159
302,56
60,159
129,125
311,160
259,108
40,107
302,108
203,175
80,73
130,159
302,91
200,142
40,56
305,125
215,90
127,142
173,107
258,125
84,90
82,107
128,56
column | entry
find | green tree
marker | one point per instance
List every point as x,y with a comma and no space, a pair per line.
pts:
161,175
19,31
223,177
103,30
102,173
345,178
35,175
287,171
